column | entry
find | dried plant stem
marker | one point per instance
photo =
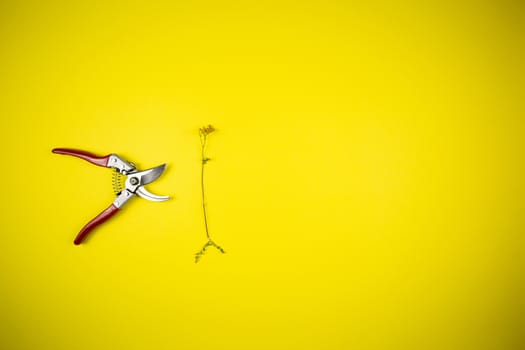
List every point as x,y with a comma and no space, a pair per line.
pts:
204,161
203,133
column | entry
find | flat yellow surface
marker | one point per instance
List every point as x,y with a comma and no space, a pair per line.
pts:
366,181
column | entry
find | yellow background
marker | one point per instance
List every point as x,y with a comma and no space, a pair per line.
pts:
366,182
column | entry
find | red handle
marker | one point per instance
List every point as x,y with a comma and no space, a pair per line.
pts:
90,157
101,218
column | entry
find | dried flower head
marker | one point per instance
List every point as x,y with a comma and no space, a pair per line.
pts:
206,130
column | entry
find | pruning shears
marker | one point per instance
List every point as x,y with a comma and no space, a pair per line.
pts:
134,184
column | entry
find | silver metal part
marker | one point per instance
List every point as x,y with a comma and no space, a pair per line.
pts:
150,175
143,193
135,180
120,164
122,198
141,178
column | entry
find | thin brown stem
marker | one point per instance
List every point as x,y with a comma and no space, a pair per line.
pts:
203,133
203,162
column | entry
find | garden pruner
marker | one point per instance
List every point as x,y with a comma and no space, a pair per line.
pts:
134,184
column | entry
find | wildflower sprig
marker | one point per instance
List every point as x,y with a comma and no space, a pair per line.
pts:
204,132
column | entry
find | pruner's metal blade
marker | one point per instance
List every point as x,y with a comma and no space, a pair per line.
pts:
150,175
142,192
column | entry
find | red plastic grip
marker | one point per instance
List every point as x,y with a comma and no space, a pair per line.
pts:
101,218
90,157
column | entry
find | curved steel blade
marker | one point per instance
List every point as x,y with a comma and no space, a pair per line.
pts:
144,193
150,175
